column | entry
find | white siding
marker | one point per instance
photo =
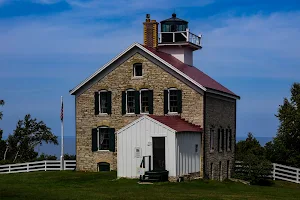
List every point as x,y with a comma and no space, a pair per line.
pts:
139,134
187,160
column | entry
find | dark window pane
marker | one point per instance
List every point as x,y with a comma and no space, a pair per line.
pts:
138,70
103,139
173,101
145,101
103,102
130,102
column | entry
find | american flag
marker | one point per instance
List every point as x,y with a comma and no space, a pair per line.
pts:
62,111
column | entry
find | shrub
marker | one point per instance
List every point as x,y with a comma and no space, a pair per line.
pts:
46,157
6,162
255,169
69,157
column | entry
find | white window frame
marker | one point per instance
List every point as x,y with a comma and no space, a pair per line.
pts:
141,101
212,139
98,136
134,66
101,113
129,90
169,101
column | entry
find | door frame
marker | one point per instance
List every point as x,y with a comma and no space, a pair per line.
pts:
166,146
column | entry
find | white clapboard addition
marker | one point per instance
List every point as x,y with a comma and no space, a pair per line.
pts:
187,153
46,165
182,150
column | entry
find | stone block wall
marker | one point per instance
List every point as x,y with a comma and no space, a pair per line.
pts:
118,80
220,112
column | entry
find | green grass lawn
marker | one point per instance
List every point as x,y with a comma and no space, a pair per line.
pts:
83,185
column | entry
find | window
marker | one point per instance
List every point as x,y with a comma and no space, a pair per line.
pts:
144,101
212,171
228,169
196,148
136,102
130,95
103,138
220,171
172,101
222,140
212,134
230,140
137,70
103,102
219,140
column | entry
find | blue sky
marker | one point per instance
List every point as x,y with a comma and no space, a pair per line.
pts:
47,47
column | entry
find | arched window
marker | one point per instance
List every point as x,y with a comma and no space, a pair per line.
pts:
103,166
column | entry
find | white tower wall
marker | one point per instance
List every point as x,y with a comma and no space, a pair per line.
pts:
182,53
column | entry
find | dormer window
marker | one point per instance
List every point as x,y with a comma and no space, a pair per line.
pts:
137,70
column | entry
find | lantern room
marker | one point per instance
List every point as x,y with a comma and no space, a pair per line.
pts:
175,31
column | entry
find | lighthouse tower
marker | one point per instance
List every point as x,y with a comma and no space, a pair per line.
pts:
174,38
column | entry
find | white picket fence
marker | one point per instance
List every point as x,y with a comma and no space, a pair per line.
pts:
286,173
281,172
46,165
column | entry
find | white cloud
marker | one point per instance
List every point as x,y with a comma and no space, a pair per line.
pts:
254,46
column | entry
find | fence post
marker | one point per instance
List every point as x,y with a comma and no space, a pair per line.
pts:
297,174
27,167
9,168
45,165
274,166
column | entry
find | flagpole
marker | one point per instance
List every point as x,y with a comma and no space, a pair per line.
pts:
62,135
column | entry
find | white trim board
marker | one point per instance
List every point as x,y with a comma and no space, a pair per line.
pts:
142,118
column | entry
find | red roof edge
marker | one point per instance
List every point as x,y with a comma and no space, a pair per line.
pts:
177,123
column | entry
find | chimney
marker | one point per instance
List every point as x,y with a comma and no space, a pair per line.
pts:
150,32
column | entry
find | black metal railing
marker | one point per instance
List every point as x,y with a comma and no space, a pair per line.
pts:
143,163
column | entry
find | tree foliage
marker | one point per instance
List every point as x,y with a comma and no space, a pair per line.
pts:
1,104
254,167
285,147
28,134
2,142
249,146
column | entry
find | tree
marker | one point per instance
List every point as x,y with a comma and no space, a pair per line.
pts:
1,104
2,142
254,167
249,146
28,134
285,147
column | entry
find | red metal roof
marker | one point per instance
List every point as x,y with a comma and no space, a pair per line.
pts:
177,123
191,71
